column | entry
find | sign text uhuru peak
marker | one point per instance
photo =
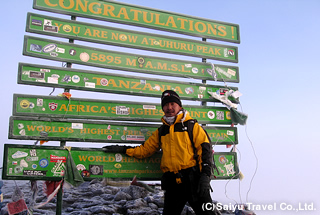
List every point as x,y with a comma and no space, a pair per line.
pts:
140,16
134,39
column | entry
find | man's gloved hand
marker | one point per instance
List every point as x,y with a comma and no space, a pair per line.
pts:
204,185
115,149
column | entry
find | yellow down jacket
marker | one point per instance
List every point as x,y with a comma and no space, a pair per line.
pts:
178,152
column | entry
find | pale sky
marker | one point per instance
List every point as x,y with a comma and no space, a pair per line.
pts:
278,57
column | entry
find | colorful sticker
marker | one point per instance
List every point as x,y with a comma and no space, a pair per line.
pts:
96,169
189,90
220,115
77,125
157,88
53,54
43,163
85,173
55,159
18,169
231,72
221,71
19,154
34,74
141,61
118,157
222,159
72,52
53,106
66,79
34,172
143,82
81,167
228,115
53,29
104,82
39,102
230,133
35,48
153,107
30,159
49,48
195,70
47,22
53,80
123,37
84,57
60,50
23,163
135,137
230,169
117,165
211,114
45,70
67,28
90,85
22,132
122,110
58,169
75,79
36,22
24,104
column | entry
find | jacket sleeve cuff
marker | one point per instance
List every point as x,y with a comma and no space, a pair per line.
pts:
130,151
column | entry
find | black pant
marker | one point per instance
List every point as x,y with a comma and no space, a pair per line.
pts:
177,195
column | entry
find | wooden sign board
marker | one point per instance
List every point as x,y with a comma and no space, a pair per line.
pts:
28,162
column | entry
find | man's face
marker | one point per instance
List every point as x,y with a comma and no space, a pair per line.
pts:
171,109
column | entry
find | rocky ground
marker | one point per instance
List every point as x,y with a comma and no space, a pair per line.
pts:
93,198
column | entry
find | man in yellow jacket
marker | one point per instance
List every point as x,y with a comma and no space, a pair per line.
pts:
186,157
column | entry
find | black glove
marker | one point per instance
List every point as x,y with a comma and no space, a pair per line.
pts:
204,185
115,149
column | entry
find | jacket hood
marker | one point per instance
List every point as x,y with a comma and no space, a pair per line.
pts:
182,117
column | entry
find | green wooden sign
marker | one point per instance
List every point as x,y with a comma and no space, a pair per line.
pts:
133,39
49,163
47,76
57,129
27,162
118,12
67,52
55,106
227,165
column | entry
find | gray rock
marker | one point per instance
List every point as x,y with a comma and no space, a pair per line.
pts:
187,210
159,202
113,190
49,206
107,196
153,206
135,191
142,211
97,192
80,213
93,198
137,203
102,209
122,196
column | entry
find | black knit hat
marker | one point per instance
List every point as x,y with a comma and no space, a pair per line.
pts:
170,96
